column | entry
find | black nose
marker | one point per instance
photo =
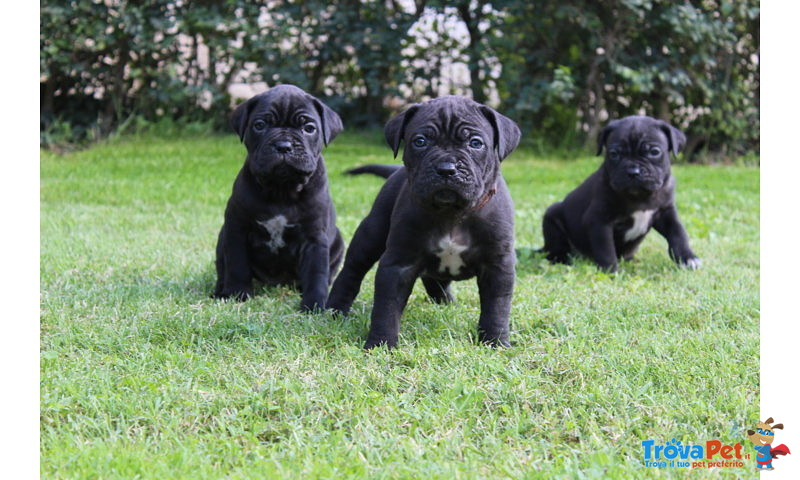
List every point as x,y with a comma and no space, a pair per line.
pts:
634,172
282,146
446,169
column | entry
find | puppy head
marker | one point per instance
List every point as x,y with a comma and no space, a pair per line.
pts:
453,150
284,130
637,153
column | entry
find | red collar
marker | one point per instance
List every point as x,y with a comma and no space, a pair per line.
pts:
486,197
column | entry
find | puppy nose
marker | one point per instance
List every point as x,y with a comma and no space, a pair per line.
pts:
446,169
282,146
634,172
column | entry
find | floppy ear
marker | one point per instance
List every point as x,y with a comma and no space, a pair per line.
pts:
506,131
769,420
603,136
331,122
677,140
396,127
240,116
751,432
779,426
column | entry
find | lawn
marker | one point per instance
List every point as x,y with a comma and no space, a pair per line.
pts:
144,376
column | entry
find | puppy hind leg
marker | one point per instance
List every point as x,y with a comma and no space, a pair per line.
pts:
220,265
629,251
556,241
336,255
365,250
438,290
234,264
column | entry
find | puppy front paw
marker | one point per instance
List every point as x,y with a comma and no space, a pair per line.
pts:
238,295
609,268
692,263
559,257
494,339
338,306
312,306
338,312
684,257
442,297
376,341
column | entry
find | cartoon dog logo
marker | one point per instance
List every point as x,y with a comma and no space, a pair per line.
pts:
762,438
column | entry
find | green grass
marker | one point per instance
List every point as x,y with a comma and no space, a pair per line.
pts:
144,376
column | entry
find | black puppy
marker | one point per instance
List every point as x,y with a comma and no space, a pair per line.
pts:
446,215
280,225
610,213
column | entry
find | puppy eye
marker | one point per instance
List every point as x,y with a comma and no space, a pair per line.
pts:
654,152
259,125
419,141
614,155
310,128
476,143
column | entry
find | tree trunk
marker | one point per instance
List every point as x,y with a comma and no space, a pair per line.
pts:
471,20
116,94
594,86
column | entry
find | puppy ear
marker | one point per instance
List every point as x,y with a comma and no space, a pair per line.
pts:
396,127
779,426
603,136
769,420
751,432
331,122
240,116
677,140
506,131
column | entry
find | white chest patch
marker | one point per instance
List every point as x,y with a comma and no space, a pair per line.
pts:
275,226
641,223
450,255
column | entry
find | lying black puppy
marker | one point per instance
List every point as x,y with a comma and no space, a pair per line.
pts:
610,213
280,225
446,215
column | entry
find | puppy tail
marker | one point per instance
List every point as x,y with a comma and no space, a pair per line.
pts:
384,171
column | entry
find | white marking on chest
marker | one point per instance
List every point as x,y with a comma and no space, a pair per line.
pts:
275,226
641,224
450,255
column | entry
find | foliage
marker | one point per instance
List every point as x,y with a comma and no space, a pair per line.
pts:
561,68
346,52
579,62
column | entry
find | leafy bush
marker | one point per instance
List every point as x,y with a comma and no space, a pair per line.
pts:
559,68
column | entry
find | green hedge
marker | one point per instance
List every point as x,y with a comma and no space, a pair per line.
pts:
560,68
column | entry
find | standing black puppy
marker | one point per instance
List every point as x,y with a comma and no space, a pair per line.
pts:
609,214
280,225
446,215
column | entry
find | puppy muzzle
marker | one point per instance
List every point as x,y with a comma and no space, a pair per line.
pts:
283,169
446,191
636,180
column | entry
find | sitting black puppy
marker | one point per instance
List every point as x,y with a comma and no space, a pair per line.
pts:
610,213
280,225
445,215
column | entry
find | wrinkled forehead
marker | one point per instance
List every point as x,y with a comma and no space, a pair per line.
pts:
455,118
637,132
285,104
